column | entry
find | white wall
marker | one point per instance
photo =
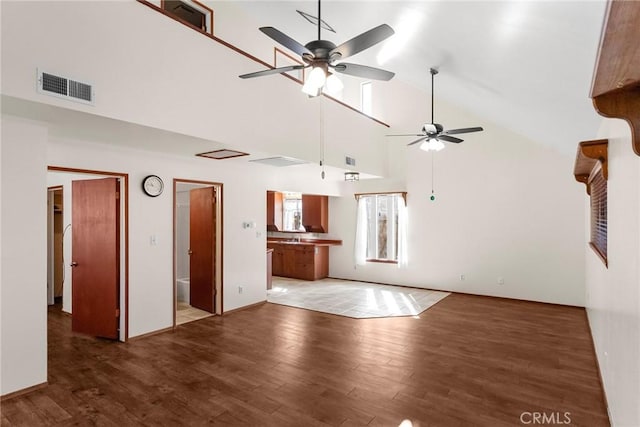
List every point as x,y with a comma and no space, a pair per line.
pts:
613,294
142,73
151,267
23,349
506,207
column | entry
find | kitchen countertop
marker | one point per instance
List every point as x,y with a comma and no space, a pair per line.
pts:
304,242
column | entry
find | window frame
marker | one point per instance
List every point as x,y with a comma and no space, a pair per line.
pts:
199,7
592,169
598,213
366,106
395,229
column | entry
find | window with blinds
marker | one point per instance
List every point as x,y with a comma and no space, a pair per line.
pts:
598,187
591,168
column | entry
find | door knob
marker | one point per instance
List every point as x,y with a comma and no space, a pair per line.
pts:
189,251
73,264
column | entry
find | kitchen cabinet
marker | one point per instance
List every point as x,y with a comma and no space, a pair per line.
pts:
269,267
277,267
274,211
305,261
315,213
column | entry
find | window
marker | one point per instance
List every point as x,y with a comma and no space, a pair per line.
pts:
366,103
598,187
381,228
292,212
192,12
591,168
283,59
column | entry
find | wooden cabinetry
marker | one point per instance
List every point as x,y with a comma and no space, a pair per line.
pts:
315,213
274,211
616,82
269,267
300,261
277,267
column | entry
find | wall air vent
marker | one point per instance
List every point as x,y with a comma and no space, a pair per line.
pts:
64,87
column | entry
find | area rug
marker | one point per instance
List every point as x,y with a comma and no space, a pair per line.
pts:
352,299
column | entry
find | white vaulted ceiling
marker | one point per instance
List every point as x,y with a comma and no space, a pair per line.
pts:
526,65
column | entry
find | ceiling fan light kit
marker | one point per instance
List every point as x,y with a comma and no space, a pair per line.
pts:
321,56
432,145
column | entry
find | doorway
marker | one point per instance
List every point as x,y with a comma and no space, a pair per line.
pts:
197,250
55,246
94,289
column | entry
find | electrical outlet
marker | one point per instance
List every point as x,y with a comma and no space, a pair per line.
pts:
462,277
240,289
500,280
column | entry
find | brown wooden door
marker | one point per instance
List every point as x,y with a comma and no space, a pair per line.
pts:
202,242
95,259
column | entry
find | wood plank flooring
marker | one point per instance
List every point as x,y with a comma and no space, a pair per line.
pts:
468,360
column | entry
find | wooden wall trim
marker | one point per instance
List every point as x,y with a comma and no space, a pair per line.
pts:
152,333
591,155
618,62
245,307
251,57
402,193
623,105
23,391
616,82
602,257
277,50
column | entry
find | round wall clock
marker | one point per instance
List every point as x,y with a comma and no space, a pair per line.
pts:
152,185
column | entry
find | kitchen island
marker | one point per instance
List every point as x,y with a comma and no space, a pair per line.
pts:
306,259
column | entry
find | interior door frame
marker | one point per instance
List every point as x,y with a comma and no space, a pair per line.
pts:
51,243
124,223
219,279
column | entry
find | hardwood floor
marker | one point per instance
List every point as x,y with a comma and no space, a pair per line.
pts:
468,360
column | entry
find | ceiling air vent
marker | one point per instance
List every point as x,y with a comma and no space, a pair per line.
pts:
279,161
64,87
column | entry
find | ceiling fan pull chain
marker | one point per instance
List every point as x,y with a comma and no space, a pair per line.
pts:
433,196
322,174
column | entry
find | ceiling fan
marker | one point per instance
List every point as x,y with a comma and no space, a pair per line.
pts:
433,133
322,56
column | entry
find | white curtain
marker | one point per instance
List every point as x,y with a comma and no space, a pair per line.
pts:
403,259
360,246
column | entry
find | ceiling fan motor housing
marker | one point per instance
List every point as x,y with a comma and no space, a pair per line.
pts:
432,128
320,48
